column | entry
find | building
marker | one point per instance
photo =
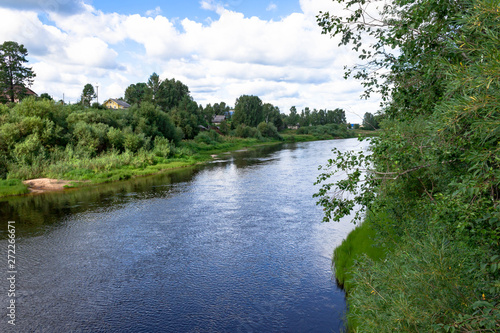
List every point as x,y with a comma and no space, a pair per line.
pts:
113,103
20,92
218,119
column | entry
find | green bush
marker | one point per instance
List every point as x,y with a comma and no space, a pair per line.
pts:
268,130
244,131
116,138
30,151
133,142
208,137
162,147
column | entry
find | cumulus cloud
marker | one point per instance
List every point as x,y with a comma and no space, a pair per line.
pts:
91,52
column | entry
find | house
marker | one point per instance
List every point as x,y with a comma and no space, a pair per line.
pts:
218,119
113,103
20,92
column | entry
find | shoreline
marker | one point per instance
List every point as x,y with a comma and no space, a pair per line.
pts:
45,185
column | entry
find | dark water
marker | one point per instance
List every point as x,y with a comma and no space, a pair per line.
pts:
233,246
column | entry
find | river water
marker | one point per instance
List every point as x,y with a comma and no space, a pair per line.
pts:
233,246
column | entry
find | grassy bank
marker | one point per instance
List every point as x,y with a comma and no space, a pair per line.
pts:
359,243
113,165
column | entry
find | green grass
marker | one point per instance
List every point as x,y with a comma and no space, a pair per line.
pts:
12,187
360,242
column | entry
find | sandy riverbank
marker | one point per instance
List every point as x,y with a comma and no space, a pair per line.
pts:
41,185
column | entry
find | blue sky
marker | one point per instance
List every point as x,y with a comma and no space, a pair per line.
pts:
219,49
264,9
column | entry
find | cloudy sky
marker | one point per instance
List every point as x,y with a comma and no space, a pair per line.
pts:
219,49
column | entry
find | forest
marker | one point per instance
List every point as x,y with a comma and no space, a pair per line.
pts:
426,257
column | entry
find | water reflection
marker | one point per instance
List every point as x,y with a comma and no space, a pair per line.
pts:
233,246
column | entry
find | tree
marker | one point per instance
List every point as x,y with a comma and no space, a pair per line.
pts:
88,94
336,116
171,93
432,178
137,93
369,122
46,96
272,115
293,118
248,110
154,87
14,76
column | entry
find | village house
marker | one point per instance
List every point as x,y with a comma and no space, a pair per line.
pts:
113,103
218,119
20,92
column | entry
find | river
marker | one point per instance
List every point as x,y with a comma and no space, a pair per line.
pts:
236,245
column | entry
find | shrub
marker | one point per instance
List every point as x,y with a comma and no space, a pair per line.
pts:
161,147
243,131
208,137
29,151
268,130
133,142
116,138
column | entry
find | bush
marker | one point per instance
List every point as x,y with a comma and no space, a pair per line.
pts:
268,130
243,131
208,137
29,151
162,147
133,142
116,138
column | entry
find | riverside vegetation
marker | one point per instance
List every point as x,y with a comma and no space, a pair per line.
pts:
427,256
42,138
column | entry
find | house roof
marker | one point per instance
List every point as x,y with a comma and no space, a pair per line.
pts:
119,102
17,89
218,119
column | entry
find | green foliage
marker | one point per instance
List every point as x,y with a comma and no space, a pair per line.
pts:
12,187
243,131
340,197
360,242
14,76
88,94
369,122
209,137
29,151
248,111
136,93
268,130
434,170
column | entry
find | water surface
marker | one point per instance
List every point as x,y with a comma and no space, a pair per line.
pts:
233,246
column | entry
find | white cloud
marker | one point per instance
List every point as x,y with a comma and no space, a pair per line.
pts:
91,52
212,5
154,12
271,7
286,62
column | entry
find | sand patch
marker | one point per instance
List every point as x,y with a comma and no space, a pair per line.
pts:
41,185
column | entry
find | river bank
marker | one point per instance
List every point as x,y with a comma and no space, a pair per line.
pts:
235,244
112,166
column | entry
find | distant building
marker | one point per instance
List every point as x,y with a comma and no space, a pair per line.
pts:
20,92
218,119
116,104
